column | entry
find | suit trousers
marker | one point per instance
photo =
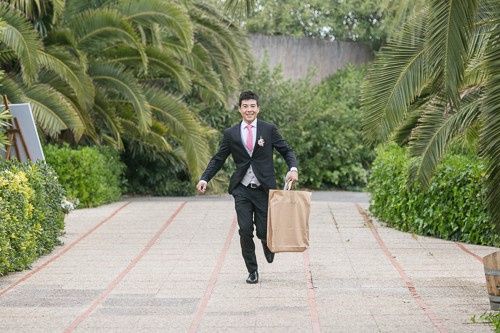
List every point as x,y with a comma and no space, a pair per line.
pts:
251,209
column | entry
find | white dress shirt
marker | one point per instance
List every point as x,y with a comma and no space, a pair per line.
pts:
249,176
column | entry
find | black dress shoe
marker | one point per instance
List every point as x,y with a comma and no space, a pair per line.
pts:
253,277
267,253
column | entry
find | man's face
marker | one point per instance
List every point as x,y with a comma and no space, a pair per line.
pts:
249,110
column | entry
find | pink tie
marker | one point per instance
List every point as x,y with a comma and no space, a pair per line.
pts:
249,142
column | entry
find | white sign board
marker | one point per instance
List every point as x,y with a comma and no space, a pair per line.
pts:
27,127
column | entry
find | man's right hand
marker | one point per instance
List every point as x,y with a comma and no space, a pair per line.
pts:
201,186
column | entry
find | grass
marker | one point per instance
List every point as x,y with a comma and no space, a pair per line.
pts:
492,318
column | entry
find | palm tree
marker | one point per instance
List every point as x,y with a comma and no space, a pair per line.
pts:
437,82
41,13
236,5
24,60
110,71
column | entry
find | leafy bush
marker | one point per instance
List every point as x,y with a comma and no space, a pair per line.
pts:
321,123
91,175
330,143
31,216
48,195
453,207
332,151
492,318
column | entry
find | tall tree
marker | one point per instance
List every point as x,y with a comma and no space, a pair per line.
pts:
115,70
438,82
350,20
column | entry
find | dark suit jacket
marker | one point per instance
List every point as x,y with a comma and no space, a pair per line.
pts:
261,159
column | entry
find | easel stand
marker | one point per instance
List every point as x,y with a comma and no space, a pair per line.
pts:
14,135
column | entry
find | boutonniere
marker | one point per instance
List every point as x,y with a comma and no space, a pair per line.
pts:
261,142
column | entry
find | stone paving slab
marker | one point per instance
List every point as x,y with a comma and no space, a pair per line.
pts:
174,265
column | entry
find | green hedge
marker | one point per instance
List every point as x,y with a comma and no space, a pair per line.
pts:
90,174
31,216
453,207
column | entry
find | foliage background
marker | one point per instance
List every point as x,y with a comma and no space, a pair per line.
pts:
452,207
369,21
92,175
321,123
31,215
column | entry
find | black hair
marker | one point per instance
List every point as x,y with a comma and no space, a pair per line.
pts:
245,95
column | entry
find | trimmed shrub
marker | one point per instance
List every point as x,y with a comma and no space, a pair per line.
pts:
48,195
31,216
453,206
90,174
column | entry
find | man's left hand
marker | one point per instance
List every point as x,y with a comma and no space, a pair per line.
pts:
292,176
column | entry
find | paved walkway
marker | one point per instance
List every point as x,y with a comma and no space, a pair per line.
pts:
174,265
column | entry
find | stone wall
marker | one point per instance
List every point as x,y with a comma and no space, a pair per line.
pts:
297,55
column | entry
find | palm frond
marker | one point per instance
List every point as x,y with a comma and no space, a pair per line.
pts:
62,36
233,6
6,55
52,111
101,28
474,74
40,12
402,134
58,9
162,63
224,43
53,80
12,89
395,79
437,129
490,136
109,122
18,35
37,9
207,82
146,141
170,16
115,80
450,26
75,7
208,20
166,63
221,64
57,60
183,126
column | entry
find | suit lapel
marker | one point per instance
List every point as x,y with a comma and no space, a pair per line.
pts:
260,130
